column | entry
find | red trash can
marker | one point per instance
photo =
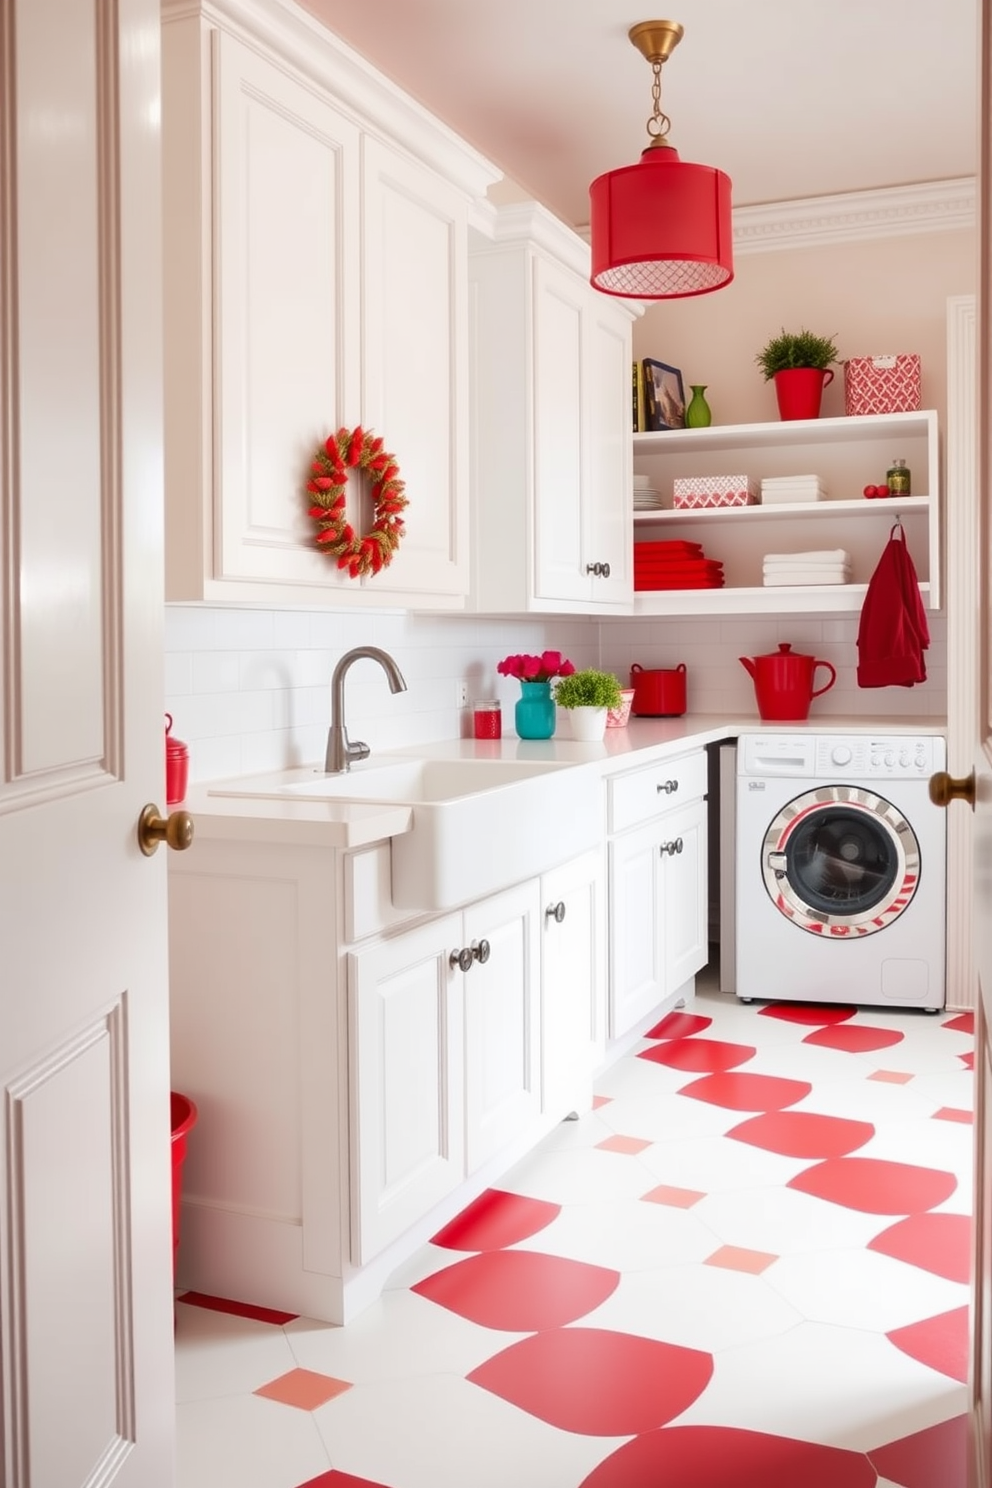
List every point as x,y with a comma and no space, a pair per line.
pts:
183,1121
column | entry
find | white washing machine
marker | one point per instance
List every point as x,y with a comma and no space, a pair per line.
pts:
841,867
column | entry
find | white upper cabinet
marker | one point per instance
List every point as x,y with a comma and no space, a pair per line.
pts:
316,230
551,465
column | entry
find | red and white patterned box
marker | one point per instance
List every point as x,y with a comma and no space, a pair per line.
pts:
697,491
882,384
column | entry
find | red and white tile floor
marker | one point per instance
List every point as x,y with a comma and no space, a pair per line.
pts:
747,1266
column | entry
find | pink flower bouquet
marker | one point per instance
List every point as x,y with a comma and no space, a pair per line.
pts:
535,668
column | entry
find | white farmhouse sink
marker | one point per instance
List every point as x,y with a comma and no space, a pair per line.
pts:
478,825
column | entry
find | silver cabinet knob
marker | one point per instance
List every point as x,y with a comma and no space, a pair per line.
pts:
481,952
669,787
462,959
555,912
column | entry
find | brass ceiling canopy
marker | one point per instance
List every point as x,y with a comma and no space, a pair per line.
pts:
656,40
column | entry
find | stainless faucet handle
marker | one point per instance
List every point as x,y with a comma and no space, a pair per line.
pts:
356,751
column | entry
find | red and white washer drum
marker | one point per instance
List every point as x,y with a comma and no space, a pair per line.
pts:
840,862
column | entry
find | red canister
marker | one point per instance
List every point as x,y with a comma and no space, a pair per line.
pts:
658,692
176,766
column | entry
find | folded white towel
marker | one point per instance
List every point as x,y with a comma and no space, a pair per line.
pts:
783,577
823,555
786,480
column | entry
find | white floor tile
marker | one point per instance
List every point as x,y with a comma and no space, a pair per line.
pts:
862,1289
220,1355
698,1307
247,1441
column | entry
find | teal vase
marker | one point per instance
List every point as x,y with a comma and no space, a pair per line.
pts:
698,415
534,712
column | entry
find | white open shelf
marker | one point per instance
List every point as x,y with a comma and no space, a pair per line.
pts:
847,454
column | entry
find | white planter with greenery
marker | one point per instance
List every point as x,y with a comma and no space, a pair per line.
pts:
587,697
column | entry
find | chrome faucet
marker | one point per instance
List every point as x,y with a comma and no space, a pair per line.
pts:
340,751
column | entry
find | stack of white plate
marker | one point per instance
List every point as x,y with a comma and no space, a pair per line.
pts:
646,498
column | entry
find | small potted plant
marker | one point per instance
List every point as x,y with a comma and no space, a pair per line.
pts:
799,364
588,695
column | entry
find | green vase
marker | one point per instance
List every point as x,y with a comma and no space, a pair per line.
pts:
698,415
534,711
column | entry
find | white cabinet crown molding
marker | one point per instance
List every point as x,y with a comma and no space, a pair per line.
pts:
289,34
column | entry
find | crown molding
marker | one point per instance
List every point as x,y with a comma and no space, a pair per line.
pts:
854,216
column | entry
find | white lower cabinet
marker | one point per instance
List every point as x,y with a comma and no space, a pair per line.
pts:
445,1059
657,886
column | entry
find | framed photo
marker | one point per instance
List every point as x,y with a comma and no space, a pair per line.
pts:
664,395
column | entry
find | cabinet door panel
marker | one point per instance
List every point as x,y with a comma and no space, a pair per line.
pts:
407,1144
637,976
415,326
608,504
502,1083
573,982
558,438
684,891
287,181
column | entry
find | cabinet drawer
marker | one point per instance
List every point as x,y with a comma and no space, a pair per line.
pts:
642,794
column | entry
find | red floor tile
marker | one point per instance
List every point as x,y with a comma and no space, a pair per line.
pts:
519,1291
940,1342
938,1243
934,1458
726,1457
678,1025
875,1187
854,1038
237,1309
807,1012
496,1219
699,1054
803,1134
595,1382
743,1092
963,1023
968,1060
335,1479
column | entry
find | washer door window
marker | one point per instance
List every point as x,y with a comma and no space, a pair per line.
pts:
840,861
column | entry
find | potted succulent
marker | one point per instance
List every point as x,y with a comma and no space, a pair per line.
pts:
588,695
799,364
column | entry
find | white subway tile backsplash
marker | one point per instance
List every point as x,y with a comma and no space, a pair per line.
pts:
249,689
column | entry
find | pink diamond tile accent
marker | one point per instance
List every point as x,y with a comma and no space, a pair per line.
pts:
630,1145
954,1113
304,1388
238,1309
720,1456
601,1100
736,1258
890,1077
675,1198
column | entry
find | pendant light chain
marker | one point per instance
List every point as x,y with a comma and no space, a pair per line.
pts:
659,123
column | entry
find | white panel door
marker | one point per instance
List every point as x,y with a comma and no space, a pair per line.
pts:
560,306
608,498
85,1211
637,972
684,894
573,982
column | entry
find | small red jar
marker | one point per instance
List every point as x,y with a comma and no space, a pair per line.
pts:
487,720
176,766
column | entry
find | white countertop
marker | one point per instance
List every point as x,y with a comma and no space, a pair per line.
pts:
234,817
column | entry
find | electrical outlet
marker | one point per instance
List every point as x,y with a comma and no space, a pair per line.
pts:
462,691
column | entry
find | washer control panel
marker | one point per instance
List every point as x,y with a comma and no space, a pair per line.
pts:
842,756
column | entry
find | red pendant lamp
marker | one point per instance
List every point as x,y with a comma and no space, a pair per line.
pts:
661,229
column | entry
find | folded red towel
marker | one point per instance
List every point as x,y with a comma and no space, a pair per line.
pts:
686,549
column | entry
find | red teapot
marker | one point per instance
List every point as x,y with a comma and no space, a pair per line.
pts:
783,683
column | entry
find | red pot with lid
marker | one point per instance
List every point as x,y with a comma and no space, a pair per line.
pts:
783,683
176,766
659,692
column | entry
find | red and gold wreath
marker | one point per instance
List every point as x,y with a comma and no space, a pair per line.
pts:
355,449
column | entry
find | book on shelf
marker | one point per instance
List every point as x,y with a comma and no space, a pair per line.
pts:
639,410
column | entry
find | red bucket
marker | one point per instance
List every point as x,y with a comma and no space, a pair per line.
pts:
183,1120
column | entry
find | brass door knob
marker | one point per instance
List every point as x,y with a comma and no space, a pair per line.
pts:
175,830
944,789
